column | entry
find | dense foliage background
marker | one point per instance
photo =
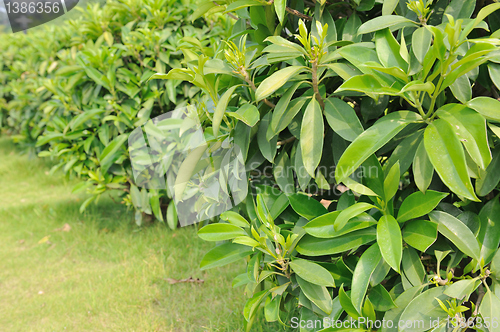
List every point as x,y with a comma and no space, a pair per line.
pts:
369,131
75,91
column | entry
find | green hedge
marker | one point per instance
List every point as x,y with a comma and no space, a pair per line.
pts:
74,92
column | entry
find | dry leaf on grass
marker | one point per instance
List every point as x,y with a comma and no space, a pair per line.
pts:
188,280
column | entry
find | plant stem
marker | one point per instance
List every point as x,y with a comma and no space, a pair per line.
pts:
298,14
315,84
247,79
479,299
418,104
434,97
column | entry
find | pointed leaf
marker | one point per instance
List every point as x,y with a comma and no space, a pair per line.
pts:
419,204
420,234
276,81
221,109
457,232
447,156
311,136
220,232
470,127
422,168
342,119
316,294
312,272
371,140
224,254
389,235
382,22
312,246
362,273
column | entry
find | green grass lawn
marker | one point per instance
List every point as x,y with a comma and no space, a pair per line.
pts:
104,273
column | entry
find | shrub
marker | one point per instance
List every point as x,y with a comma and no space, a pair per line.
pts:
382,135
76,91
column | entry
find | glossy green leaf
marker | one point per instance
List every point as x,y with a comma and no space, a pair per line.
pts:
220,232
362,273
312,272
457,232
221,109
280,7
490,310
247,113
391,182
421,43
342,119
459,9
462,89
283,107
382,22
346,303
316,294
367,84
420,234
419,204
381,299
272,308
448,158
495,265
494,70
349,213
312,246
302,176
489,232
401,302
470,128
404,153
172,219
240,4
351,28
283,175
276,81
84,117
389,236
234,218
253,303
388,7
371,140
462,288
413,272
306,206
489,178
487,107
423,310
224,254
112,152
154,201
322,226
388,50
423,170
267,147
311,137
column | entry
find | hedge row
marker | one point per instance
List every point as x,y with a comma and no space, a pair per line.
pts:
75,91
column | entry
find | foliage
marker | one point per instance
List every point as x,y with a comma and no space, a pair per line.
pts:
389,120
75,92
